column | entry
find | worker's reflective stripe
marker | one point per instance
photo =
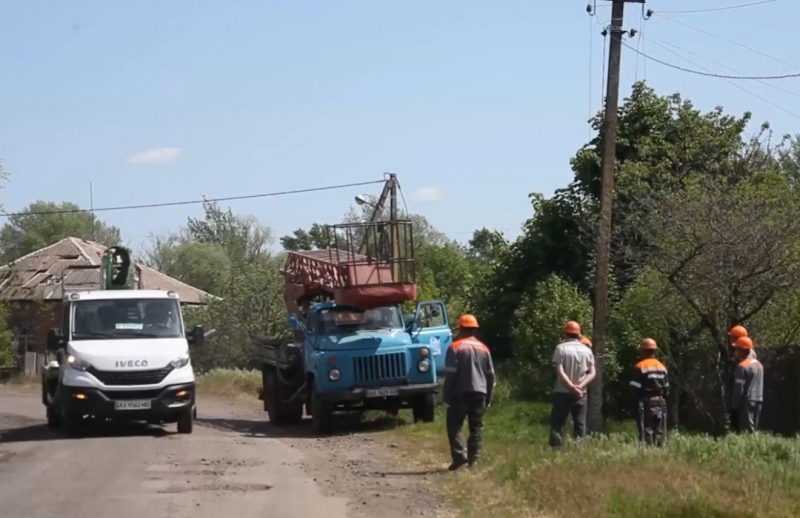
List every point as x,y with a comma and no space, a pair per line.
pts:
450,369
636,384
740,381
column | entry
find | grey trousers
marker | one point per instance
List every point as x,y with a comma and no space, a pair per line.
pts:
749,416
565,404
652,421
471,407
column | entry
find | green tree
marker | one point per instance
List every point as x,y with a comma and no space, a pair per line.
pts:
43,223
539,321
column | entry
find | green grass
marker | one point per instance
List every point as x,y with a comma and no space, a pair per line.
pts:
229,383
611,476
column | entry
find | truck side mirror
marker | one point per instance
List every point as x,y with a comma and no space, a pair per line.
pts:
55,340
293,322
196,337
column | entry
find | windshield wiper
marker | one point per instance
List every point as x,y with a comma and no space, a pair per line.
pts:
96,334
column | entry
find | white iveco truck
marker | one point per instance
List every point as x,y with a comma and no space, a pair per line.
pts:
121,353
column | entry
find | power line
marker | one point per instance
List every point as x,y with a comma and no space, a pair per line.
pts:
194,202
728,81
709,74
662,42
726,40
715,9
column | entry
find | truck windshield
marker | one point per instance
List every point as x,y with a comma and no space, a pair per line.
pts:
338,320
128,318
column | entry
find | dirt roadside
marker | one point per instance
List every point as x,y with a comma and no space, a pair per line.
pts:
233,443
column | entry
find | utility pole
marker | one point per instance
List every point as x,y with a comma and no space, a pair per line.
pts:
606,200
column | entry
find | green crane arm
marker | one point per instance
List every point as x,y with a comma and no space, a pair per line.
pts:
118,269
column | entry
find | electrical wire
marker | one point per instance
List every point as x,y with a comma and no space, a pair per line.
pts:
726,40
662,42
757,96
194,202
708,74
715,9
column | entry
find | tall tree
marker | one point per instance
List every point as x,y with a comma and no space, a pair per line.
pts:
42,223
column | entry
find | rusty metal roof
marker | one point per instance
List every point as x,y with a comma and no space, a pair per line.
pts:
73,264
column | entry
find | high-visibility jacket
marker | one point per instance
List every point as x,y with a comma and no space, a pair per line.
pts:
468,368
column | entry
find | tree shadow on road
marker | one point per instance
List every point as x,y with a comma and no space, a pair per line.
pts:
344,425
41,432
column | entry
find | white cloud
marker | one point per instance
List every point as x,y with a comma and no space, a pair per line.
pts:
156,156
429,193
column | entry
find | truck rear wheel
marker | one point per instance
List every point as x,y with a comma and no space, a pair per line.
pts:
273,401
424,408
321,412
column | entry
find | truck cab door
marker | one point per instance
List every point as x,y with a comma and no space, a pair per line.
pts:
430,326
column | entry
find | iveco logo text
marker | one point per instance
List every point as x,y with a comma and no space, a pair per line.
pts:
131,363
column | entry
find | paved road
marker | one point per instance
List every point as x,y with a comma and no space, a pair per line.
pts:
149,472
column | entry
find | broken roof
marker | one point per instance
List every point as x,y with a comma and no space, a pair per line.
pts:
74,264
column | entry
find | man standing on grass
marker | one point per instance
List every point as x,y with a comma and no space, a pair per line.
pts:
748,390
468,385
734,334
575,370
651,383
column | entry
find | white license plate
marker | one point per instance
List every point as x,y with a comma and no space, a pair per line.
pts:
383,392
143,404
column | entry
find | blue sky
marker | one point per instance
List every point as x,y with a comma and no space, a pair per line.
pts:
473,104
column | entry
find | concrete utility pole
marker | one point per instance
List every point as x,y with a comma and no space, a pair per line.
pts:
606,201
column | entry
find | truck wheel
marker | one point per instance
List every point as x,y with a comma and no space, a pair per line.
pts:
273,397
53,419
321,413
424,408
186,421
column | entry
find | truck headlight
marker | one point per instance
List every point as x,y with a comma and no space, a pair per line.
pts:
424,366
178,363
78,364
334,374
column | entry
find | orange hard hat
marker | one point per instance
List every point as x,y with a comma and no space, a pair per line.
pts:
737,332
585,341
744,343
648,344
572,328
468,322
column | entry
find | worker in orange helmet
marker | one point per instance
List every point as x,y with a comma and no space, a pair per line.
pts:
574,370
651,384
734,334
468,385
585,340
748,390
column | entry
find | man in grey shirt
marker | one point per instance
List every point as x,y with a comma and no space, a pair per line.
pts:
748,386
575,370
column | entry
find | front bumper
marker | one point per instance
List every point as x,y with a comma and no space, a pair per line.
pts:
164,404
377,393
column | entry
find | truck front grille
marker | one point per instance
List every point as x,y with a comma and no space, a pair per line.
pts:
380,367
114,378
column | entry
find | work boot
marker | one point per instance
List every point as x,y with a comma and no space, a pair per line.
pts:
457,465
472,462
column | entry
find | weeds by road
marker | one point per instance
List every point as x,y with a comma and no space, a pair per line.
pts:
229,383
